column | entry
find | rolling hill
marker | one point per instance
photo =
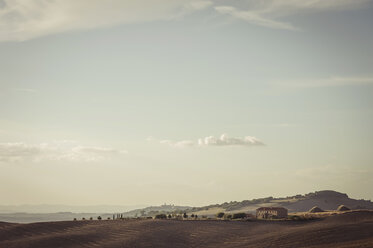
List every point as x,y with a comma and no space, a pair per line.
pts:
348,230
326,199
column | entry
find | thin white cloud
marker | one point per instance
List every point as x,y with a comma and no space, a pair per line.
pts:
254,18
326,82
97,150
199,5
92,153
18,152
268,12
11,152
287,7
223,140
182,143
22,20
26,19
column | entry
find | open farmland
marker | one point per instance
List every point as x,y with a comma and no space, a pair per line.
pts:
352,229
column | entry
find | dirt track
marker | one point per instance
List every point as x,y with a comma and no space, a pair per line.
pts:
347,230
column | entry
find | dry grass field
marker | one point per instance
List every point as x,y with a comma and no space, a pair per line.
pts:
351,229
326,213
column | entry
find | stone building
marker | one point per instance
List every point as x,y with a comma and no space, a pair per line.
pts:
271,212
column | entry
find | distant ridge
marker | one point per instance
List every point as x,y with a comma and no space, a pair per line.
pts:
325,199
56,208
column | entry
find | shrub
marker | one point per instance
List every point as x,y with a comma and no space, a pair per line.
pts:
238,216
161,216
220,215
302,217
99,218
74,219
185,215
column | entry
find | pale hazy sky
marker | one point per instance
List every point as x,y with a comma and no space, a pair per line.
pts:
186,102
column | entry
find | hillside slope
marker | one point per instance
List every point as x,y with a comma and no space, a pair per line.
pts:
353,229
326,199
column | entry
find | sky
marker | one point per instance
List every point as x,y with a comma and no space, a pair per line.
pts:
189,102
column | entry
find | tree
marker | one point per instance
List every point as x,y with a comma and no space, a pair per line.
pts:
99,218
185,216
74,219
238,216
169,216
192,216
220,215
161,216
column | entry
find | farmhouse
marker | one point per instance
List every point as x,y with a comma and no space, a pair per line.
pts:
271,212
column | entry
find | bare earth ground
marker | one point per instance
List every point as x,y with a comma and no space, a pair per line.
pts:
352,229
